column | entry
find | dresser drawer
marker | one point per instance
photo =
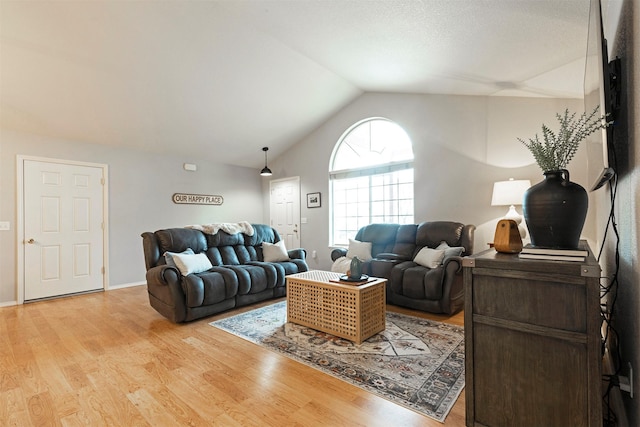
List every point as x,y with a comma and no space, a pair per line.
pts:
531,298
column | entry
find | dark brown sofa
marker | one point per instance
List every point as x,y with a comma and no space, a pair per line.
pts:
409,284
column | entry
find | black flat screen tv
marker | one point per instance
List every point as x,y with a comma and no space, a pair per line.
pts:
598,80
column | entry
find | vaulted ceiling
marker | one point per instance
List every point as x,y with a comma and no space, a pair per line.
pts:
223,78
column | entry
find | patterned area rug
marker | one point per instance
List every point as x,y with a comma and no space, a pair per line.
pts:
417,363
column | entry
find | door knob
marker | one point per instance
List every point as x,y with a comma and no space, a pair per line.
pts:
31,241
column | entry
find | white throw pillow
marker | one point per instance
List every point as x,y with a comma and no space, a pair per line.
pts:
274,252
168,256
341,265
443,245
450,251
196,263
428,257
362,250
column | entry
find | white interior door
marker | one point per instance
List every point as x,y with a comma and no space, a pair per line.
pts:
285,210
63,228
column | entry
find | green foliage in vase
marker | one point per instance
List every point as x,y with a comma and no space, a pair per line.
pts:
558,149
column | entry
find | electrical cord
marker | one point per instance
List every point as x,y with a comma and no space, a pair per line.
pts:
610,337
607,310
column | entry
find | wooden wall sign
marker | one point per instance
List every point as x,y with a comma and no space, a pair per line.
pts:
196,199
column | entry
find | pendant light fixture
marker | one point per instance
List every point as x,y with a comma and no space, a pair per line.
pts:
265,170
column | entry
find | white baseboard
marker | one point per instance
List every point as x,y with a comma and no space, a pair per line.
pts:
125,285
110,288
8,303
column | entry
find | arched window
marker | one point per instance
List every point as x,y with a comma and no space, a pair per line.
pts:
370,178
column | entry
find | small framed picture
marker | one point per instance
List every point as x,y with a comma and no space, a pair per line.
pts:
313,200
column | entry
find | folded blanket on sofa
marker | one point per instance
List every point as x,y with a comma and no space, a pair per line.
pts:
227,227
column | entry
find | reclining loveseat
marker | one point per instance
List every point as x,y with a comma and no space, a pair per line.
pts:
193,274
421,262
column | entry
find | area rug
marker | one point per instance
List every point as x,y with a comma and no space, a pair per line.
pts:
416,363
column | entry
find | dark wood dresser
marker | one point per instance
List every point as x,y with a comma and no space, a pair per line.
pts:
533,341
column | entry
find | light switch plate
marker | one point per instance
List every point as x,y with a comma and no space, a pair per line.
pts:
5,225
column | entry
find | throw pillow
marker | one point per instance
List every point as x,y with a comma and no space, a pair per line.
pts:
274,252
428,257
362,250
341,265
195,263
450,251
168,256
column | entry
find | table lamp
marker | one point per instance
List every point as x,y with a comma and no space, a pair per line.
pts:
510,193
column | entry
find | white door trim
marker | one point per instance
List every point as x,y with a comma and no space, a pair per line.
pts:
20,238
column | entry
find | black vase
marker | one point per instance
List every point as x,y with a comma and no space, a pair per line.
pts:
555,210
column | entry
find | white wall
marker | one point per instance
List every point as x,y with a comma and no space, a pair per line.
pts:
140,188
462,144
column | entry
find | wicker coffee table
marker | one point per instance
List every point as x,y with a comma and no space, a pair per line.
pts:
353,312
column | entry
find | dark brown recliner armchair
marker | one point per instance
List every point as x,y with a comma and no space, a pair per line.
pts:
394,247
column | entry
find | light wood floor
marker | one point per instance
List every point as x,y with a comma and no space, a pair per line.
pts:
108,359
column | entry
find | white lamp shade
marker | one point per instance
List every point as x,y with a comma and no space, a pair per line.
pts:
506,193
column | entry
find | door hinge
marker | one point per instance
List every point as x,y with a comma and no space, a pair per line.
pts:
102,181
102,270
